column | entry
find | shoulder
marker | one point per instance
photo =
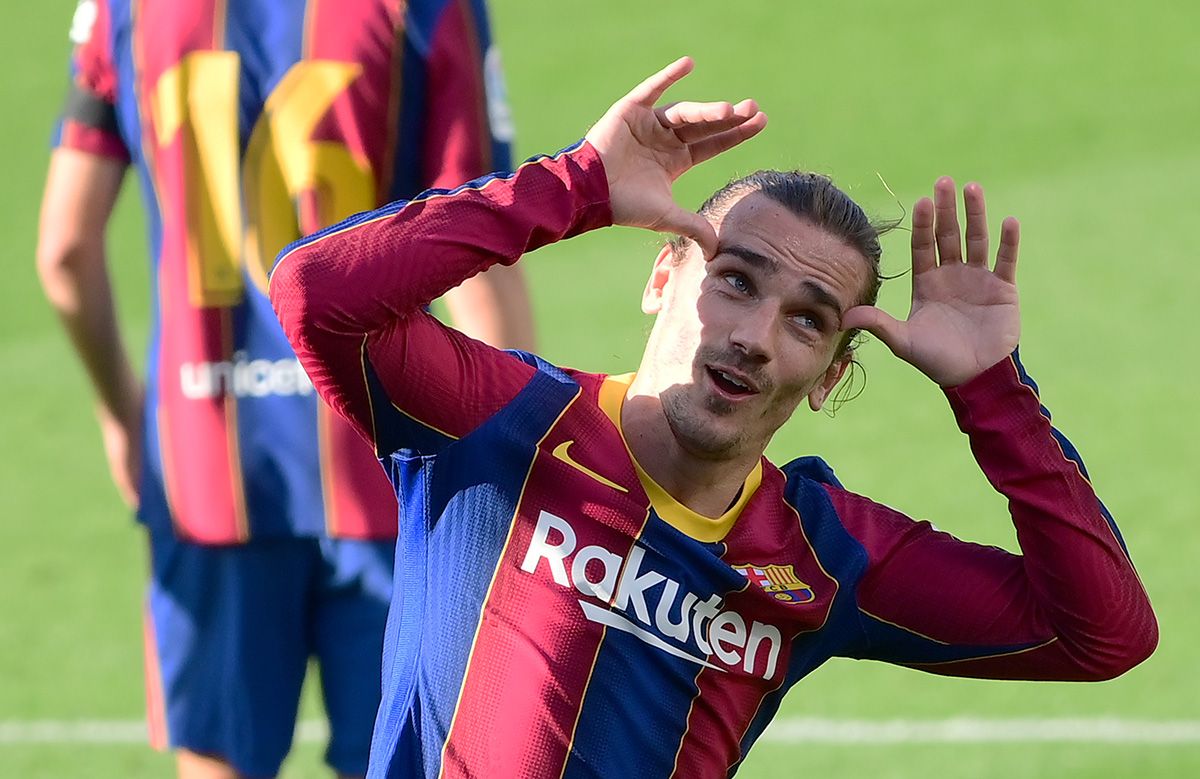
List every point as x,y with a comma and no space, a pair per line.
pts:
549,385
812,470
821,499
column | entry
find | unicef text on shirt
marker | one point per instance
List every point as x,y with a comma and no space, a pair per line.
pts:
244,378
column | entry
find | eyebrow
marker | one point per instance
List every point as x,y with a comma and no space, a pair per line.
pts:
825,299
754,258
820,295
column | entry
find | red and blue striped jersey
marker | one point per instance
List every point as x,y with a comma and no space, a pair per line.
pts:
251,123
558,614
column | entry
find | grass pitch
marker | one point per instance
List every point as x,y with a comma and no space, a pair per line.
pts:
1079,118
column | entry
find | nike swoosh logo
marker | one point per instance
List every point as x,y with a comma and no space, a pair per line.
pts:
561,453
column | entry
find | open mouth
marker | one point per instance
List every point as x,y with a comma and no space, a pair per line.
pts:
728,383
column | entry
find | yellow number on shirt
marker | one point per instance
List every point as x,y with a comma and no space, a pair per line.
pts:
197,101
281,162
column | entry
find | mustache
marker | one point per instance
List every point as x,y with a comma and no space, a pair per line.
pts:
738,361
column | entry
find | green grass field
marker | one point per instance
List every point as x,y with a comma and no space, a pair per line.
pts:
1078,117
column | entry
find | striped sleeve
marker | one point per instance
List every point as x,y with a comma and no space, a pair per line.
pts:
1069,607
352,298
89,118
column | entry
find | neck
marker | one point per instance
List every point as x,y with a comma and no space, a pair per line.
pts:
705,485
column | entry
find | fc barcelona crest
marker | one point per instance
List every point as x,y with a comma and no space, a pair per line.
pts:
778,580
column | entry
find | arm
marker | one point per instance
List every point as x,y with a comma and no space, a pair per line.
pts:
80,191
1071,606
351,297
468,134
81,188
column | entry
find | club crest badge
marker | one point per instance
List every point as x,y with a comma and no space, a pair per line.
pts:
780,581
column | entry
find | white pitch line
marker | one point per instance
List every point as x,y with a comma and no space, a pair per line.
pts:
790,730
110,732
962,730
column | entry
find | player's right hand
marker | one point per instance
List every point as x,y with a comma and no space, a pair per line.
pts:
122,438
644,149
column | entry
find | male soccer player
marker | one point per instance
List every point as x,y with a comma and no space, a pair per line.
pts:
602,575
251,123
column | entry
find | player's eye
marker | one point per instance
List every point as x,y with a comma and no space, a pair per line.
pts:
807,321
738,282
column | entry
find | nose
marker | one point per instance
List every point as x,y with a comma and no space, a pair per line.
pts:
754,333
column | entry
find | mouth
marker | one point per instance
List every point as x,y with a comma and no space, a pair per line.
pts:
729,383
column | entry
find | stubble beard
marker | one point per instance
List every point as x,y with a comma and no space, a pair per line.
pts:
696,426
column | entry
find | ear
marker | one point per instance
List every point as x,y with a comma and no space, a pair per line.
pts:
820,393
652,296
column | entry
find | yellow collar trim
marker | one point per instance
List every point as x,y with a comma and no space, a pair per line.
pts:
679,516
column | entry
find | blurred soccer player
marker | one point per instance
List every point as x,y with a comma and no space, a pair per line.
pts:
251,123
602,575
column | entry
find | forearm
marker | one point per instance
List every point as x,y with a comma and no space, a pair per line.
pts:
81,189
381,266
78,288
1076,565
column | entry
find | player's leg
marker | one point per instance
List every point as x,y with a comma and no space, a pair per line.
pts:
228,630
348,623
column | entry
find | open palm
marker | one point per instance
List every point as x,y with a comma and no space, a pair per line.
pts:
964,316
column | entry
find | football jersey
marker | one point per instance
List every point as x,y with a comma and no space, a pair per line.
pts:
251,123
558,614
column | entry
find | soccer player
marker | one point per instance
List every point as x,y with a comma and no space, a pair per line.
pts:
251,123
602,575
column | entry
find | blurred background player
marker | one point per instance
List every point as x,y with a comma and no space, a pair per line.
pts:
251,123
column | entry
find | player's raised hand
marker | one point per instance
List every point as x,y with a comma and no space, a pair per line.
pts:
645,148
964,316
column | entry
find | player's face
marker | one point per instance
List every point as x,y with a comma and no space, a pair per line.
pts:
741,340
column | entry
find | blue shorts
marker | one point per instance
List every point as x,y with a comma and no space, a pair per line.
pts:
229,633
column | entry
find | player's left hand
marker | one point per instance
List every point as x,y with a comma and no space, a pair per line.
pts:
964,316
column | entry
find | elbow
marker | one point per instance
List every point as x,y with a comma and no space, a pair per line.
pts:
60,260
1125,650
1139,646
57,253
289,295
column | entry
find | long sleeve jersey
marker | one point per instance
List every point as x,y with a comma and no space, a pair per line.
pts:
557,613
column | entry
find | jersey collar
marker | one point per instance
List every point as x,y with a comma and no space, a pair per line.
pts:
674,513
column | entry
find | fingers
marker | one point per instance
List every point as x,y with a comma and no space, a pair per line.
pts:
878,323
977,232
694,226
924,250
692,122
724,141
649,91
935,224
946,230
1006,255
